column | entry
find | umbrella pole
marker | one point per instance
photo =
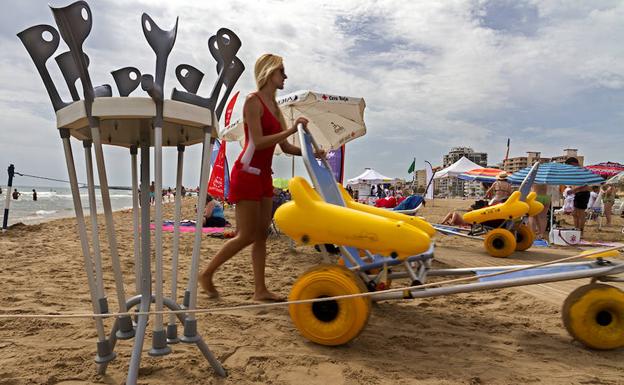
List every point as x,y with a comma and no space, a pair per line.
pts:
292,173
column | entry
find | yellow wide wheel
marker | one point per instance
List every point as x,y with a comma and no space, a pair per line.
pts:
524,237
500,243
594,315
334,322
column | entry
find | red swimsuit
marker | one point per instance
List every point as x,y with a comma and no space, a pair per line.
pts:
251,175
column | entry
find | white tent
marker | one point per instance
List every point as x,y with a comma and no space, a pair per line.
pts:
461,166
370,176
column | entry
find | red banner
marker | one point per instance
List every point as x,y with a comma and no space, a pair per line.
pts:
230,108
216,184
218,178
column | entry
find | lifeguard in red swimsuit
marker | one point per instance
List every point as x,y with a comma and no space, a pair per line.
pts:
251,184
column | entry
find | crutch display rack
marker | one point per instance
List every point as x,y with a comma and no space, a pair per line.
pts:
137,123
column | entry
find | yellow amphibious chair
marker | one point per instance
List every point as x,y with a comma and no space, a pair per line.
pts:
503,227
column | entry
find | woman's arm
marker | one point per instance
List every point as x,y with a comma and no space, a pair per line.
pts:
289,148
208,210
252,114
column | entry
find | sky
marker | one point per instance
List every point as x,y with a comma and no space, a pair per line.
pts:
547,74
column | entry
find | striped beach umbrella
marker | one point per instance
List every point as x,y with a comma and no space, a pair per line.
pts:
606,169
484,175
559,174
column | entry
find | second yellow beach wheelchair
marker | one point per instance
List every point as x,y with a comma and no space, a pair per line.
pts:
502,227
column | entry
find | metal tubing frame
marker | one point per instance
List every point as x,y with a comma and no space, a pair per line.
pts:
84,241
209,140
95,233
136,219
159,343
171,327
172,305
146,273
108,214
503,283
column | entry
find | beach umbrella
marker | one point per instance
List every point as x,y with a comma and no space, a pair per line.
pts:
559,174
334,120
617,180
484,175
606,169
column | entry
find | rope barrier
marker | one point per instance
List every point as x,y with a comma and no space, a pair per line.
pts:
43,177
304,301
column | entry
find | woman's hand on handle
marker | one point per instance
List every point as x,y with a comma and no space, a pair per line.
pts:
320,154
300,120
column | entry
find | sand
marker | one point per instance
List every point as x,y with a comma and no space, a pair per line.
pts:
510,336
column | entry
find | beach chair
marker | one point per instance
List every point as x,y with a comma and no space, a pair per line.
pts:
595,211
410,205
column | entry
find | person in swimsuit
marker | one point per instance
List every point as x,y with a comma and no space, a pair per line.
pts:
501,189
581,199
213,213
251,184
608,199
539,222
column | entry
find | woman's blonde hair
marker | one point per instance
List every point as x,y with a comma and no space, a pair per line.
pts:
265,66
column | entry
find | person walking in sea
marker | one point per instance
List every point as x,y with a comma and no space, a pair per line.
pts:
34,195
15,194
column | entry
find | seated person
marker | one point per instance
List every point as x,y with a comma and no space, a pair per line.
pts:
454,219
213,213
388,202
501,189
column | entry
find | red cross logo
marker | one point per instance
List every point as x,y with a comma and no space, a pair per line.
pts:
324,97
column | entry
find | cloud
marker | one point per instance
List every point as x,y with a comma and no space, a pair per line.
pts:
435,75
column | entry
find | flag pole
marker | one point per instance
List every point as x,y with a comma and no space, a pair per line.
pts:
414,174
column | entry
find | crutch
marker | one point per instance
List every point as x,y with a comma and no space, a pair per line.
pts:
161,42
74,23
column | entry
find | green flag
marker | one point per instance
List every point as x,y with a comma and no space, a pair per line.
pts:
412,167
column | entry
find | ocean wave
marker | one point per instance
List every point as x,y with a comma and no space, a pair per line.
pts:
45,212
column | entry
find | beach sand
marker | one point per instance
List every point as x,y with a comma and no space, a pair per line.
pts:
510,336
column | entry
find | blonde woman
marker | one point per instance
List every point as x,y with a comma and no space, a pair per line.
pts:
251,184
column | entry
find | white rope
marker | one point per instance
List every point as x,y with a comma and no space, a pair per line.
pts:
304,301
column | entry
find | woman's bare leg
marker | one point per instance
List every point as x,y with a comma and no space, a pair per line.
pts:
258,253
534,225
580,214
607,211
457,219
247,217
446,219
542,221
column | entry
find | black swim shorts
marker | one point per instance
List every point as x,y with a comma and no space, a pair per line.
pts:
581,199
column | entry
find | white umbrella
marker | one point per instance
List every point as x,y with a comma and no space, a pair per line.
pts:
333,120
617,179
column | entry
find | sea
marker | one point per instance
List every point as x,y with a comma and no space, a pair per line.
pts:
55,202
